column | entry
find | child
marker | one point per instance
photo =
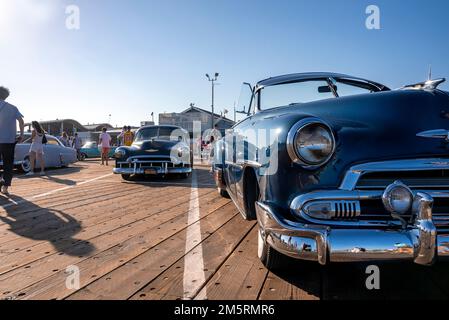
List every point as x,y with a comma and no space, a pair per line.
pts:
105,143
37,148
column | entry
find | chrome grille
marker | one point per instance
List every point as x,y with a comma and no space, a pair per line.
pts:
418,181
147,162
427,179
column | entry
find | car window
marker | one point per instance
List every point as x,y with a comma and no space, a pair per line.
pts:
147,134
344,89
293,93
27,140
167,134
52,141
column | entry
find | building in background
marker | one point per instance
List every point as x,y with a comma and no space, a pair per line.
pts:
186,119
146,123
98,127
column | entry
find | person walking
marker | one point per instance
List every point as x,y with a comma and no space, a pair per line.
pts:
128,137
9,116
38,140
77,144
121,136
65,139
105,143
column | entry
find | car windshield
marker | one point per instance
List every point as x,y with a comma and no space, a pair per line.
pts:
306,91
161,133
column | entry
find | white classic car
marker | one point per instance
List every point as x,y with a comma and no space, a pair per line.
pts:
56,155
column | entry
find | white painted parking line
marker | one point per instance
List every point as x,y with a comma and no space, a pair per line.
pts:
194,277
42,195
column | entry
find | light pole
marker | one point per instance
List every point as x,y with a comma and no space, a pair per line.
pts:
213,80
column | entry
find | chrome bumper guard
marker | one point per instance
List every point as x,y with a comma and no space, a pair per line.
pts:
151,165
418,242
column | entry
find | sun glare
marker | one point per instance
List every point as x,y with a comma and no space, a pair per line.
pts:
20,15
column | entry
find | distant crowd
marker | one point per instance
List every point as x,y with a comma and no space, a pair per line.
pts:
10,116
125,138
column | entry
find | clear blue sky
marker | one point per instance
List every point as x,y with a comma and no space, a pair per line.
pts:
134,57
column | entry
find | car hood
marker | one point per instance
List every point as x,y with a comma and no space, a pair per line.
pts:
368,128
155,147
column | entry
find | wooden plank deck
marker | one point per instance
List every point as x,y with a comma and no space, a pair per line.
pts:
162,239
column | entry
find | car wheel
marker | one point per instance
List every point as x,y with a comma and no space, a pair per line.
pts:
83,157
26,165
126,177
270,258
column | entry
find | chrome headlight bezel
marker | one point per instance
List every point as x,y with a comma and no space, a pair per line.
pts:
292,148
388,199
119,153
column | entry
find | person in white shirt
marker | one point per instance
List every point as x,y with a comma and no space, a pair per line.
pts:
77,144
105,143
9,116
65,139
37,148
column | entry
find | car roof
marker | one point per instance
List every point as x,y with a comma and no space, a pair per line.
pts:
163,126
314,75
47,135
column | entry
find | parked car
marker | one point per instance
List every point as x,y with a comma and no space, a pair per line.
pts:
157,150
92,150
353,171
56,155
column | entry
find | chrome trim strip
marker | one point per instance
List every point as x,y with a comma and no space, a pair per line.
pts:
435,134
249,163
354,174
16,163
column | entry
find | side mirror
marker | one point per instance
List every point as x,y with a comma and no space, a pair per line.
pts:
326,89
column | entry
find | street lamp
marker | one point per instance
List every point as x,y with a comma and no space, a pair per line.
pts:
213,80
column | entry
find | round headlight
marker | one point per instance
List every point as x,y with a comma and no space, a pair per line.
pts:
398,198
311,143
119,153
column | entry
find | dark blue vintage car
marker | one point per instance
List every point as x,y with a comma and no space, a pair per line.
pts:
156,151
341,169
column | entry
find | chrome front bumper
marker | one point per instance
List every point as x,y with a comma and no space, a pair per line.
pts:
152,171
419,242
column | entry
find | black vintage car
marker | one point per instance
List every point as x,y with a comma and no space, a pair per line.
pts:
157,150
337,168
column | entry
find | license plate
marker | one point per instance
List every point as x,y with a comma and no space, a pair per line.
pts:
150,171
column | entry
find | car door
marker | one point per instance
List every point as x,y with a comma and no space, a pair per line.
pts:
52,152
94,151
67,155
234,145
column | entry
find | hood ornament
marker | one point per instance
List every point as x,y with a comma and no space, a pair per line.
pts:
426,85
435,134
